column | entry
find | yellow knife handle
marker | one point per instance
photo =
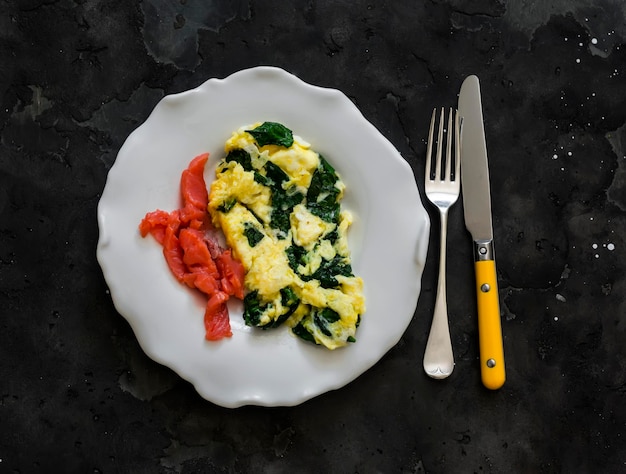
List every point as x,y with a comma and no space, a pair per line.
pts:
489,326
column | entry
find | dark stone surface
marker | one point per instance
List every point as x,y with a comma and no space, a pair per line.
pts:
77,392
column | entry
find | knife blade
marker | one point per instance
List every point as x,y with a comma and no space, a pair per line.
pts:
477,211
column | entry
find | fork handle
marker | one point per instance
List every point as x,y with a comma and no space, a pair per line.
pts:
489,325
438,357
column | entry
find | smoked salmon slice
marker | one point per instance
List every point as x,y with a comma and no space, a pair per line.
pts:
193,255
216,321
232,272
192,186
195,249
155,223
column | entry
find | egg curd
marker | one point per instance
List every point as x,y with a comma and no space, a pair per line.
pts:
278,204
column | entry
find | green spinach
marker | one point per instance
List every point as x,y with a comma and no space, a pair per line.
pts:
322,324
253,234
259,178
272,133
329,315
296,256
322,195
253,309
283,202
328,270
290,300
227,205
303,333
242,157
275,174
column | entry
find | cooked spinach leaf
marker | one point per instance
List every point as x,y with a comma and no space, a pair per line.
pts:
290,300
259,178
240,156
227,205
328,270
253,234
278,321
322,195
280,221
350,339
329,315
275,173
322,181
303,333
322,324
289,199
283,202
252,309
272,133
327,209
332,236
295,255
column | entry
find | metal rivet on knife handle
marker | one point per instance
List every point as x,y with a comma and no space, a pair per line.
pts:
485,287
491,363
483,250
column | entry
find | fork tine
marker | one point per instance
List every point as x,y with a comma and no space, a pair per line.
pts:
429,149
439,145
448,176
457,146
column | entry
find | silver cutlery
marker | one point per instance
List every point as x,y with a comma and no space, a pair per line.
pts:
442,185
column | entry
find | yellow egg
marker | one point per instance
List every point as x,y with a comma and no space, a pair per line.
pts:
278,203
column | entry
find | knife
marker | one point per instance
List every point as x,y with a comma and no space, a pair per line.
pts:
477,210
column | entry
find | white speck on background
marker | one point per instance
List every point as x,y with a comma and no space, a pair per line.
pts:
611,246
556,318
555,156
597,256
594,41
560,298
578,60
594,246
569,153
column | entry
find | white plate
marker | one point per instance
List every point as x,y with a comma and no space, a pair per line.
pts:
389,238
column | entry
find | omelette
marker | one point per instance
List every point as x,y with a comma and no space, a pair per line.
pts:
277,202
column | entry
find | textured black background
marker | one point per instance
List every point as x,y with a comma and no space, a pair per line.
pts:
78,394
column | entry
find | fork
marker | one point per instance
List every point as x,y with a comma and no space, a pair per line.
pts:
443,186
